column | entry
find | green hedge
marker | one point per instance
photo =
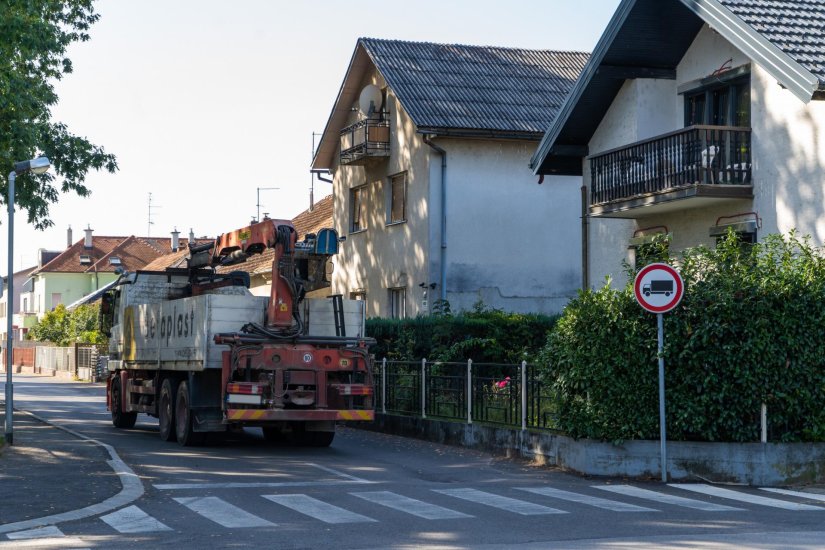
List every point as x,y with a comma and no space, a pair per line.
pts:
483,335
750,330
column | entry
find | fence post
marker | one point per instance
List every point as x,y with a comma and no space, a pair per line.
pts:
384,385
424,388
764,423
469,391
523,395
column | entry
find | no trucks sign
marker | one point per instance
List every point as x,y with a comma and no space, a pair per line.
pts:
658,288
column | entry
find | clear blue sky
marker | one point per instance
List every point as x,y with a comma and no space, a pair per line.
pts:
203,101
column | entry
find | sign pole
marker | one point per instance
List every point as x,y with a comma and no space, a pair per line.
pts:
662,427
659,288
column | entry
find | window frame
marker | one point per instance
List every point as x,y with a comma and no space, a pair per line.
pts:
390,198
397,302
709,94
361,206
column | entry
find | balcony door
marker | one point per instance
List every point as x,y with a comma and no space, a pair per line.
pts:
727,104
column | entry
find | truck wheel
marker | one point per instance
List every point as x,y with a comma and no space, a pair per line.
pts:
166,409
184,428
120,419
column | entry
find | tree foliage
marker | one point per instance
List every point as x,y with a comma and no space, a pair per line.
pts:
34,37
749,331
65,328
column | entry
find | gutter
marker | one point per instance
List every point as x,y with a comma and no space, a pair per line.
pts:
443,254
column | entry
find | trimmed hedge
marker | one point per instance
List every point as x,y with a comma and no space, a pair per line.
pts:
483,335
750,330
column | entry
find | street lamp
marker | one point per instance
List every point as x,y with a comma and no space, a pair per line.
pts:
37,165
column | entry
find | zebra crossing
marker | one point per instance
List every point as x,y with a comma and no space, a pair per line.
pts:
464,503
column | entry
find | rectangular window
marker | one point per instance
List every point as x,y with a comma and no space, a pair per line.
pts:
85,259
358,209
727,104
25,305
114,260
398,303
57,299
397,211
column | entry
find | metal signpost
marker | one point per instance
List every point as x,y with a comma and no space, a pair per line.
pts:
659,288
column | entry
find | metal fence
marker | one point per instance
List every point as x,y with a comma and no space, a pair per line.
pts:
508,395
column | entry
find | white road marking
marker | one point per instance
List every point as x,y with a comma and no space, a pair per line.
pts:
337,473
255,485
744,497
317,509
410,505
799,494
587,499
131,489
497,501
222,512
133,520
39,533
665,498
59,543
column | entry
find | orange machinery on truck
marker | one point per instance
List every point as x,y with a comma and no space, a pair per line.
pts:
197,350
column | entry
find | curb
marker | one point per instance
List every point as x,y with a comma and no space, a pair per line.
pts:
131,487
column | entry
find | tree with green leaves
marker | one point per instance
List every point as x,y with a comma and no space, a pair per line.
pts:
64,327
34,37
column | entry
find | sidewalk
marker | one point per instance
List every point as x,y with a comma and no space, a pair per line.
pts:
49,471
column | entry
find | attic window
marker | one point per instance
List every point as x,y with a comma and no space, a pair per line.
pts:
85,259
114,260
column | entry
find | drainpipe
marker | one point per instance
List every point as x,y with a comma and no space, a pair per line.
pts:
585,240
443,255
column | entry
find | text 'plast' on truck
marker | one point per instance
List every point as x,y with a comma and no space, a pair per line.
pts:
197,350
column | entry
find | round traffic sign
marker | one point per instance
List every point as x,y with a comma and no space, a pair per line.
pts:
658,288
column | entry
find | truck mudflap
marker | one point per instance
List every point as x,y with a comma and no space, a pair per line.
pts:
266,415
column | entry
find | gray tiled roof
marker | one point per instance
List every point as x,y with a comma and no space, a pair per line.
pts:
797,27
448,86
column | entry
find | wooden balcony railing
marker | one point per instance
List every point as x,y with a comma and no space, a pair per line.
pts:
691,156
364,140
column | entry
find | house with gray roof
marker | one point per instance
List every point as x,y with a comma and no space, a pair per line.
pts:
429,145
693,117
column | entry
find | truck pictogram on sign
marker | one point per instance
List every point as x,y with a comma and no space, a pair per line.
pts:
658,288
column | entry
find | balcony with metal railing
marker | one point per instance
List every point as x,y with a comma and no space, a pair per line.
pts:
691,167
365,141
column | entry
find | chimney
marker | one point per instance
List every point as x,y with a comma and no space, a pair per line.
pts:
87,242
175,240
69,241
191,236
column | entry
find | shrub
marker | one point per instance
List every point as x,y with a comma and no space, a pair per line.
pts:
64,327
748,331
483,335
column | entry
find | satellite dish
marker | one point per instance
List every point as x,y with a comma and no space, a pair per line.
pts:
369,102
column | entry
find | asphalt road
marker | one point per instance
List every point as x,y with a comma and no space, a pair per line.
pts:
372,490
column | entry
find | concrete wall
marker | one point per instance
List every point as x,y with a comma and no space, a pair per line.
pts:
787,151
511,243
771,464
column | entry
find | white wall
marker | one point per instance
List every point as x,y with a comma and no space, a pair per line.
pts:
511,243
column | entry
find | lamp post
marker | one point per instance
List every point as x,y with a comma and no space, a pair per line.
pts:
37,165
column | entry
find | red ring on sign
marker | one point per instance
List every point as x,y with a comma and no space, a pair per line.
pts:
677,294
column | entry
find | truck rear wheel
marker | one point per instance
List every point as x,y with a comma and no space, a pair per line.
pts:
120,419
184,422
166,409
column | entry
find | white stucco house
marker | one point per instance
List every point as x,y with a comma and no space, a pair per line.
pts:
429,145
693,116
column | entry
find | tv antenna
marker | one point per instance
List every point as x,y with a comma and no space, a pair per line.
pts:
259,198
151,223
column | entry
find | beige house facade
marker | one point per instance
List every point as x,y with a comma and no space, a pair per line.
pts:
432,194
